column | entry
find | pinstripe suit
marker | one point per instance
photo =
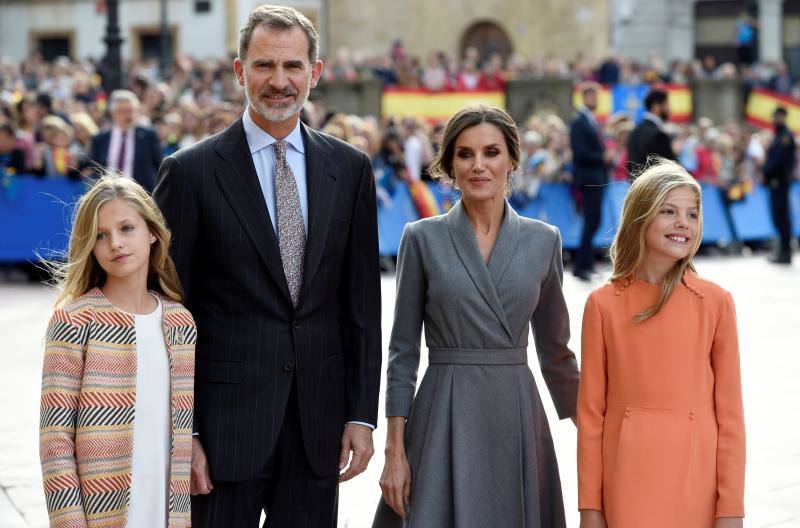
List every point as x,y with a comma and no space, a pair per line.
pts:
253,345
87,412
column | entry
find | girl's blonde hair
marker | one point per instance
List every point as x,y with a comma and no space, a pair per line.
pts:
81,272
643,202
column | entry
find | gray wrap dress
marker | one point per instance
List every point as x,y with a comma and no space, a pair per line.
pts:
477,437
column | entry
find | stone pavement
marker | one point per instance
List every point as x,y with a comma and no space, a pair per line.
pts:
768,307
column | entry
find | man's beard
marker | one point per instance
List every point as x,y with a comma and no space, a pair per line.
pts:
277,114
664,115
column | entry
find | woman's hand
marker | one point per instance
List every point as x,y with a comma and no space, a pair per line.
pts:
592,519
396,481
729,522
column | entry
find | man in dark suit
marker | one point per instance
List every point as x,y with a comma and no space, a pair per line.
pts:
590,173
276,245
649,138
132,150
778,170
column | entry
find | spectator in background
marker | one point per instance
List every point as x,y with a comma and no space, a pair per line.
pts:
781,82
649,138
527,179
417,149
130,149
27,125
609,71
53,157
434,75
12,159
389,165
84,129
620,127
745,39
589,169
778,171
469,78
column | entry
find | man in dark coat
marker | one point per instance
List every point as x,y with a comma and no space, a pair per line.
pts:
133,150
778,170
275,240
590,173
649,138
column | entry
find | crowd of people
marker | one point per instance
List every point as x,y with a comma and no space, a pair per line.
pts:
57,121
490,70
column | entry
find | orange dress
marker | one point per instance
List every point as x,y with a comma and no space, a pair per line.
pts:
661,437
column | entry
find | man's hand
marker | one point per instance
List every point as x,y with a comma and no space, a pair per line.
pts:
200,480
358,439
729,522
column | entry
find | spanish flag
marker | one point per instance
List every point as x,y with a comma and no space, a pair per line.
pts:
762,103
423,199
434,106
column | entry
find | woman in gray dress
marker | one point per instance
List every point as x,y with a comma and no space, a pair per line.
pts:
473,448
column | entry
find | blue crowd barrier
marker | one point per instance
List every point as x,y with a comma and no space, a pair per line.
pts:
751,216
392,218
35,217
716,227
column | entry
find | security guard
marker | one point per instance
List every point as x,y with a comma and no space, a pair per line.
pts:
778,170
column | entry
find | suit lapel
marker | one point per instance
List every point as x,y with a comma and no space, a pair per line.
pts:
321,181
239,182
463,237
505,245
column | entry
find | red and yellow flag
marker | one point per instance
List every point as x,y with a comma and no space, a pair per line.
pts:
435,106
762,103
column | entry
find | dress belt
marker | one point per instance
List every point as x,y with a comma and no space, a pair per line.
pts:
478,356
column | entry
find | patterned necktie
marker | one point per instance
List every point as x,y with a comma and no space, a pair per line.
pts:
291,230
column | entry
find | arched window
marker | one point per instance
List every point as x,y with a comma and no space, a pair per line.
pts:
488,38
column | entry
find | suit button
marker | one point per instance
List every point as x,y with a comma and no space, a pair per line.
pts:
288,366
296,324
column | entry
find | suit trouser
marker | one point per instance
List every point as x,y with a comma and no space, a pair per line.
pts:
286,489
779,195
592,206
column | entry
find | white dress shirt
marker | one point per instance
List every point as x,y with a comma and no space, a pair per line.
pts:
114,147
263,152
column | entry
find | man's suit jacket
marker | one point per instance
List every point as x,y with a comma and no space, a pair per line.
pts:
252,342
645,140
589,168
146,154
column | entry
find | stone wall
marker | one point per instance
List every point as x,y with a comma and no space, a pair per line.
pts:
562,28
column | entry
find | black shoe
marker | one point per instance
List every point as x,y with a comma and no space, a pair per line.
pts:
781,258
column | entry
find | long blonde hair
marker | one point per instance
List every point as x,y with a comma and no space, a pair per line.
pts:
81,272
645,198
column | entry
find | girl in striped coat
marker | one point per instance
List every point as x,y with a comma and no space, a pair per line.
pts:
118,375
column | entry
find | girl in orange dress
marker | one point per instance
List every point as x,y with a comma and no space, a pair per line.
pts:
661,436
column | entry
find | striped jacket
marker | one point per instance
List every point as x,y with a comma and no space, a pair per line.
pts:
87,412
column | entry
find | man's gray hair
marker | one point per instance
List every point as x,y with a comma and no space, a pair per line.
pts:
281,18
118,96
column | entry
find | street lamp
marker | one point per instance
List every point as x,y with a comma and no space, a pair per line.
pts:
112,63
164,56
